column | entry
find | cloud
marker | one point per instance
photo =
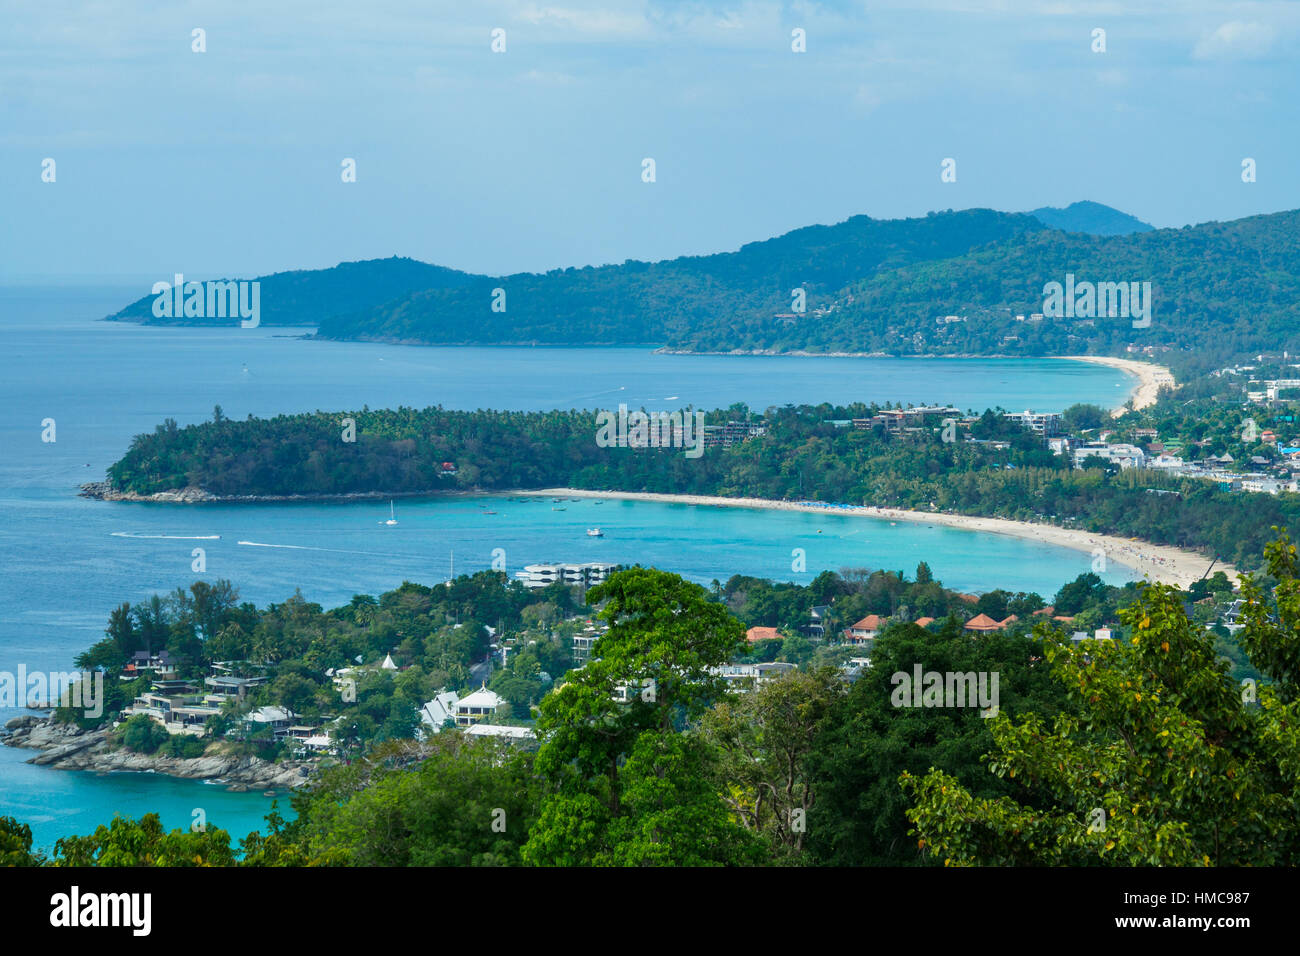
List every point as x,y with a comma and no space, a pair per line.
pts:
867,98
1235,40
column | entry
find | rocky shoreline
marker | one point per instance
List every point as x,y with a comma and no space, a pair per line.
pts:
192,495
69,747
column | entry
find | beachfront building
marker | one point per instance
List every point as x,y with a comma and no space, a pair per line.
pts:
732,433
176,714
896,420
231,680
279,719
1124,455
1046,424
542,575
159,663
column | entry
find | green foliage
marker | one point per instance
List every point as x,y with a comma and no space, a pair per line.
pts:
450,801
1162,758
16,844
127,842
761,745
184,746
143,734
866,742
621,786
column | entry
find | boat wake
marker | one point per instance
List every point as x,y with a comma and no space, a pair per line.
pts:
304,547
168,537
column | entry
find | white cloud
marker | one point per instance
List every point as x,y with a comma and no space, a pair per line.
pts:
867,98
1235,40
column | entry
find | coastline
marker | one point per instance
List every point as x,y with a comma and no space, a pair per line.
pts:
103,491
1162,564
1151,378
68,747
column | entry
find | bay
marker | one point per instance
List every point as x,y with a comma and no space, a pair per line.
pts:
65,562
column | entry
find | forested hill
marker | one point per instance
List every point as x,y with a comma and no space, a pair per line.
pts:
678,301
1092,218
803,455
633,303
1218,292
306,296
951,283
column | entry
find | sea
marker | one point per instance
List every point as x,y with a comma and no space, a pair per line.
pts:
92,385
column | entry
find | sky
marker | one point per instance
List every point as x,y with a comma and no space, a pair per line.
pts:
230,161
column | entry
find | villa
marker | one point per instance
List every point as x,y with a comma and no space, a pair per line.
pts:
865,630
473,708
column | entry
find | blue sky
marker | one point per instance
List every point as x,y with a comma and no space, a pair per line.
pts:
228,162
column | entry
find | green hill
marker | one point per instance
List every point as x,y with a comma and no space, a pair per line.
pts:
1092,218
306,296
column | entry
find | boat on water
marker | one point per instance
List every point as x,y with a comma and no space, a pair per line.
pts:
595,533
489,512
599,501
392,515
557,509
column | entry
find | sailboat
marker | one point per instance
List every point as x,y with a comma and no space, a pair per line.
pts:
392,515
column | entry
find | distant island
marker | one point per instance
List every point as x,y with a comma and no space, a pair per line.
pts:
950,283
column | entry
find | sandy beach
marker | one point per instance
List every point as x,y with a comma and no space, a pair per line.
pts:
1154,562
1151,378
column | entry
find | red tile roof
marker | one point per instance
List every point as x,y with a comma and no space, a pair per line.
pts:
763,634
872,622
982,622
923,621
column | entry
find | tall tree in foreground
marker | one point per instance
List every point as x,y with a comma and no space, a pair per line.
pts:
625,786
1167,762
763,741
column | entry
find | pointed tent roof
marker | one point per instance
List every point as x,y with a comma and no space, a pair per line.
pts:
388,664
982,622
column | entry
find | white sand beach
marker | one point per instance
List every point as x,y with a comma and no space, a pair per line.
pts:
1151,378
1158,563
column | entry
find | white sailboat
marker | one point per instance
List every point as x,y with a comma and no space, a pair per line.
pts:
392,515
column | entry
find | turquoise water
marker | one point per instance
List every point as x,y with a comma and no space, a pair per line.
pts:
65,562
